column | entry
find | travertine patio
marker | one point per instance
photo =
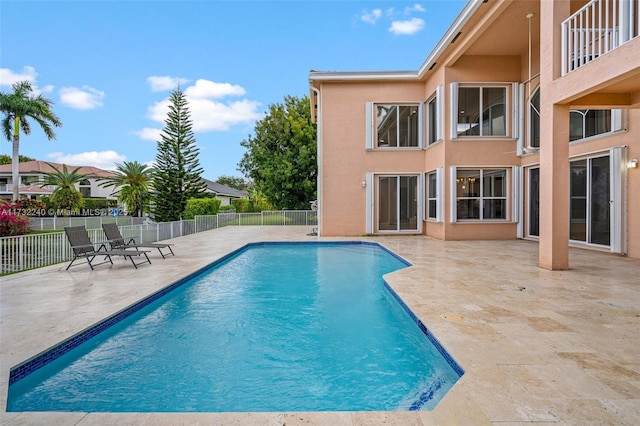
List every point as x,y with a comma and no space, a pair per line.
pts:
537,346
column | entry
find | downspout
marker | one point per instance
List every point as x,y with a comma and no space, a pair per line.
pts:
318,154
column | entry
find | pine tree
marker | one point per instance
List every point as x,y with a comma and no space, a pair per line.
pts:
177,172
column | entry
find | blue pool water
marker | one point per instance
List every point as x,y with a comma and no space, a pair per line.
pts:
275,327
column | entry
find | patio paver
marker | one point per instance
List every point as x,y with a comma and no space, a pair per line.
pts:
551,347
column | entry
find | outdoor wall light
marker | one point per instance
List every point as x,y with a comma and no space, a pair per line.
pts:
632,164
364,183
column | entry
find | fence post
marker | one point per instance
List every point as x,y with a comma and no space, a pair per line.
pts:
181,232
21,253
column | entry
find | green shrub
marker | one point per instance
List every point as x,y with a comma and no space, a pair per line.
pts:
225,208
242,205
201,207
67,199
259,203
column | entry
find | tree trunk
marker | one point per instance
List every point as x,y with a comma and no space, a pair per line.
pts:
15,159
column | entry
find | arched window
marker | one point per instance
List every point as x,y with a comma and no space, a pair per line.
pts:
534,119
585,123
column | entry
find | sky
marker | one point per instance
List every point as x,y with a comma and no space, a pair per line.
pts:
110,66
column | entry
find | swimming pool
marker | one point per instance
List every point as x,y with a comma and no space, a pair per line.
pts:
272,327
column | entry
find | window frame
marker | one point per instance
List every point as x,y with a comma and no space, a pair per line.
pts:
437,196
510,110
617,121
371,137
434,121
507,194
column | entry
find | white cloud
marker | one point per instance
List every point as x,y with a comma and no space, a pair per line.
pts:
164,83
409,27
101,159
371,17
415,8
210,115
208,112
8,77
211,89
148,134
83,98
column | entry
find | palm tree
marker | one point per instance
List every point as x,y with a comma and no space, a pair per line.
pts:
65,196
17,107
132,178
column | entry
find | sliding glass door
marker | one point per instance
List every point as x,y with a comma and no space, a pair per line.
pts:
397,203
591,201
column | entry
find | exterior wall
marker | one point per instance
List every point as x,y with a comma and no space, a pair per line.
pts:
99,192
345,163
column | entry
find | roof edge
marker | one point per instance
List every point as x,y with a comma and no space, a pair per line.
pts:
463,17
452,33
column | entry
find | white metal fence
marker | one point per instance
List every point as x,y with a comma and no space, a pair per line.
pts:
91,222
597,28
24,252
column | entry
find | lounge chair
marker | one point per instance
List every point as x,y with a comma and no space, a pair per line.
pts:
83,247
117,241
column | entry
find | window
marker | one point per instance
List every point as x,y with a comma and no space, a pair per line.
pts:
534,120
85,188
435,116
434,193
394,125
582,123
588,122
481,194
432,111
481,111
432,196
397,126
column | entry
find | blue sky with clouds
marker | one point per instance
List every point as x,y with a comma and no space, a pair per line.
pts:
109,66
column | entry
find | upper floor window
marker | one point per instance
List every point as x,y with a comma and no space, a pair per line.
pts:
481,111
85,188
583,123
534,120
394,125
397,126
435,116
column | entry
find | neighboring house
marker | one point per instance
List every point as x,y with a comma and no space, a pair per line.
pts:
224,193
32,174
523,122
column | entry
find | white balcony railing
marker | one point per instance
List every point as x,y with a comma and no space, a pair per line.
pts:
597,28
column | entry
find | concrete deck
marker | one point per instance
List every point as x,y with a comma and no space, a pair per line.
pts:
537,346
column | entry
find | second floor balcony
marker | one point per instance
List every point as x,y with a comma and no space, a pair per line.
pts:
597,28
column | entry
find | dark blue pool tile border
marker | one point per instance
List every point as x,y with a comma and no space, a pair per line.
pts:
40,360
452,362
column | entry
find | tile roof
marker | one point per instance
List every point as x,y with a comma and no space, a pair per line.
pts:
44,167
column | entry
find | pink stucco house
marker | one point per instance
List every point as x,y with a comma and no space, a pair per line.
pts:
523,122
